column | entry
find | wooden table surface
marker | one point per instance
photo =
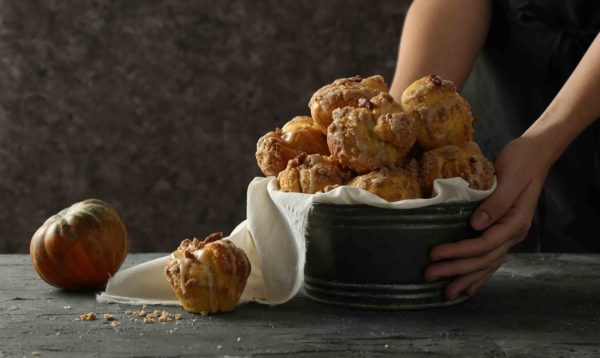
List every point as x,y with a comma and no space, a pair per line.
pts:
536,305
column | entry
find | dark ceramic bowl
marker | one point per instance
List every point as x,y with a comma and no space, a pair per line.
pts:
366,257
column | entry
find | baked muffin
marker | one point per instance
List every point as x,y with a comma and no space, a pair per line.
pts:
311,174
359,140
390,184
443,115
208,276
465,161
341,93
276,148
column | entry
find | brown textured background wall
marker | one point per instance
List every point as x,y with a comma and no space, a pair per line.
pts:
156,106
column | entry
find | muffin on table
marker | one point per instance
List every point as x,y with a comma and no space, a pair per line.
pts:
208,276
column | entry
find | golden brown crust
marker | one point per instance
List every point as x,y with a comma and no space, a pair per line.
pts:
299,122
397,129
311,174
341,93
390,184
381,104
299,135
451,161
208,276
360,141
444,116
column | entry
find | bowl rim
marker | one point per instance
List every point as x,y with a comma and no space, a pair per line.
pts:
453,205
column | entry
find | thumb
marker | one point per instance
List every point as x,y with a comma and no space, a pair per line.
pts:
497,204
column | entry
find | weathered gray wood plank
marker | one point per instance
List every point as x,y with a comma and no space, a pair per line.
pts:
536,305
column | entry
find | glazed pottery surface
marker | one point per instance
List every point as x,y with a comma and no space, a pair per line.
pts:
366,257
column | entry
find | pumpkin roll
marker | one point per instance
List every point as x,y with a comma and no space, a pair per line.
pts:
276,148
444,116
369,138
311,174
465,161
341,93
391,184
208,276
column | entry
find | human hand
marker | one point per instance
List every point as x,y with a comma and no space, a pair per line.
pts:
505,216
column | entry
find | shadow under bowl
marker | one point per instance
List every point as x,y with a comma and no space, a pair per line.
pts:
361,256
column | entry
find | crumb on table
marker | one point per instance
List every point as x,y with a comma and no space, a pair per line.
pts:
90,316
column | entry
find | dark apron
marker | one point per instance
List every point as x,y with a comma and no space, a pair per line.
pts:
532,48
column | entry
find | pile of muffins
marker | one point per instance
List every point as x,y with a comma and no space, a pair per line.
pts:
358,135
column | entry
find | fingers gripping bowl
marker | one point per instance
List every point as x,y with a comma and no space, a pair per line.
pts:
375,257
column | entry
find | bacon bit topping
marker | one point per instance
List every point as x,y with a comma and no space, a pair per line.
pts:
189,255
216,236
365,103
435,79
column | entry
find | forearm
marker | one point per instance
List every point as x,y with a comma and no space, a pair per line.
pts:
440,37
573,109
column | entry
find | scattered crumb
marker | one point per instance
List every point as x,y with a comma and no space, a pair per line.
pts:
386,346
36,354
239,339
219,346
166,316
67,307
144,306
148,317
58,333
91,316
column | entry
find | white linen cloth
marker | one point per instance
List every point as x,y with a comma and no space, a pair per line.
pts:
273,238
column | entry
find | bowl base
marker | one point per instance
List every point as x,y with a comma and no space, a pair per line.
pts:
379,296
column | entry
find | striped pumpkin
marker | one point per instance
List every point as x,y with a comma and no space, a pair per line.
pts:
80,247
